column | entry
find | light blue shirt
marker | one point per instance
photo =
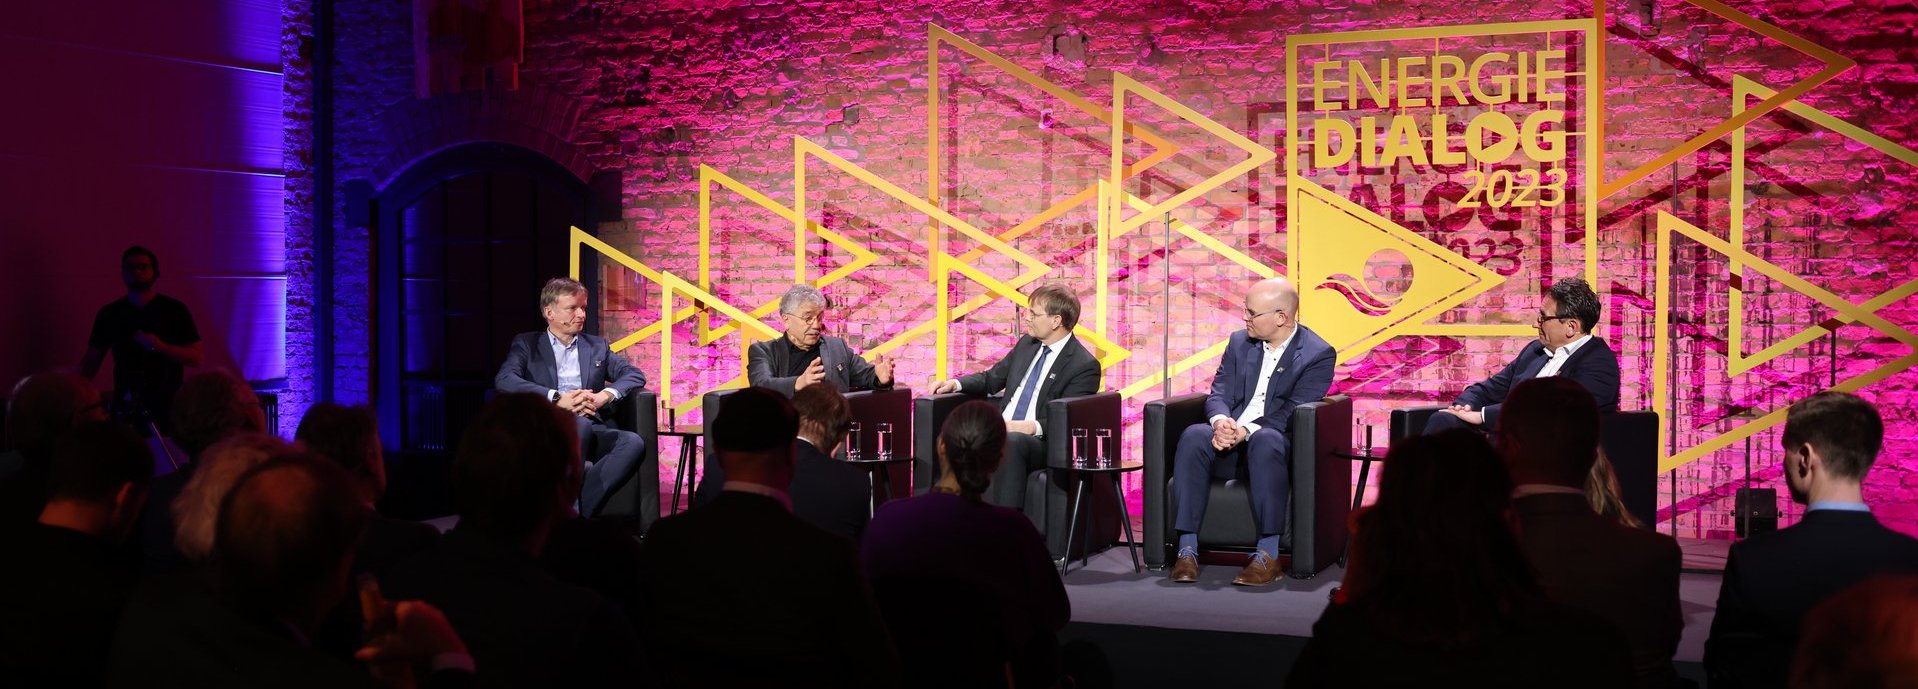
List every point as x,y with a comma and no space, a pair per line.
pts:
567,358
1838,506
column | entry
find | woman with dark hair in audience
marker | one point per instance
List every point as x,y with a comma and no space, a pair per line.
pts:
1439,594
968,588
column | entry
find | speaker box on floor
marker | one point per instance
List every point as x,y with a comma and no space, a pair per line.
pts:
1755,511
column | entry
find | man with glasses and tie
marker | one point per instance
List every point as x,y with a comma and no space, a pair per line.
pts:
1565,347
1048,363
1272,366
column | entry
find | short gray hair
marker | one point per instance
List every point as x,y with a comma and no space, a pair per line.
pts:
558,287
801,295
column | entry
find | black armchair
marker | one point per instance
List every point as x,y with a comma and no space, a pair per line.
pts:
1629,439
1315,531
1046,503
639,498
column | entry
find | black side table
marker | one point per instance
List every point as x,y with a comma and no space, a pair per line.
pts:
1080,475
878,477
1365,456
687,473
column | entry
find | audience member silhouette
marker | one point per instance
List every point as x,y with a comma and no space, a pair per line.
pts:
1438,592
740,592
1831,440
62,592
350,437
196,511
211,406
282,555
515,475
828,493
41,408
1863,638
1548,435
968,588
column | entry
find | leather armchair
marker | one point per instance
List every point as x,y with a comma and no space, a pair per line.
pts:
1047,502
639,498
1315,531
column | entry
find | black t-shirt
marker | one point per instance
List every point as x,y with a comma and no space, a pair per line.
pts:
151,377
796,359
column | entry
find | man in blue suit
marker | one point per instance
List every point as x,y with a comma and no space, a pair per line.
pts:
1269,368
1565,347
581,374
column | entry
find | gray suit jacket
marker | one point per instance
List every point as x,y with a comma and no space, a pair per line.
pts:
530,367
845,370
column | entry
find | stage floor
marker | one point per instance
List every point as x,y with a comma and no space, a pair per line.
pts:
1107,591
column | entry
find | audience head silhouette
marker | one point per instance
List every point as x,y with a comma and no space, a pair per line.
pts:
1831,439
212,405
1864,638
824,415
1434,560
754,437
971,445
44,406
350,437
104,469
517,469
197,508
1548,432
286,536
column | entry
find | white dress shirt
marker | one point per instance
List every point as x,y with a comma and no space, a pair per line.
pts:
1268,363
1560,356
566,365
1013,383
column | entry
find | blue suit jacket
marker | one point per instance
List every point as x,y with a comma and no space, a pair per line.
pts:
530,367
1594,366
1304,375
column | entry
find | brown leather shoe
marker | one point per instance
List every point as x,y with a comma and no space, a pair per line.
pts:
1262,570
1186,569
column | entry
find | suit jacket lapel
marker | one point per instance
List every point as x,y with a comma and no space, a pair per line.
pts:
545,369
1280,372
1048,386
1537,363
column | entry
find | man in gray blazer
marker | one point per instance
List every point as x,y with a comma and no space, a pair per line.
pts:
581,374
807,356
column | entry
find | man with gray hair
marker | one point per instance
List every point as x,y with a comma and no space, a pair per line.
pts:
580,373
807,356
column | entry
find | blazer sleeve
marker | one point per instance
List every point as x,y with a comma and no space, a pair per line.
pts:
1733,626
1493,390
759,370
1313,382
622,375
516,374
1225,385
992,380
1599,374
860,374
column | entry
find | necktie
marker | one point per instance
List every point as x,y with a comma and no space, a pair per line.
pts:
1019,411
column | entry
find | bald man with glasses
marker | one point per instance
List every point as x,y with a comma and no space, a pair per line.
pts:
1271,367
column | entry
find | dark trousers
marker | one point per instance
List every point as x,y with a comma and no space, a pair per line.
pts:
1264,455
612,458
1024,455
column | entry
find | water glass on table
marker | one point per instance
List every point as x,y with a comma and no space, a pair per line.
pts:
1079,450
1104,450
882,442
852,442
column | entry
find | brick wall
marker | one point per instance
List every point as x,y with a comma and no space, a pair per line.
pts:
654,90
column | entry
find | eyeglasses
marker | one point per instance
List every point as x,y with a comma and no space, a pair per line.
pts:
1037,315
814,319
1250,316
1542,317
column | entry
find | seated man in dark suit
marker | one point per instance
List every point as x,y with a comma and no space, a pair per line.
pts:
350,437
62,592
743,593
1831,440
1548,436
1271,367
286,534
514,478
580,373
1565,347
826,492
805,355
1048,363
